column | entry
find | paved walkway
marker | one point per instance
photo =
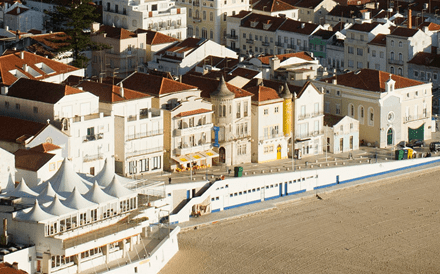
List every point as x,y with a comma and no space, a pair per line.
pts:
238,212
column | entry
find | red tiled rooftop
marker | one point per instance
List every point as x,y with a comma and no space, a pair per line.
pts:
193,112
17,128
263,93
282,57
404,32
156,38
111,93
45,147
31,159
116,33
273,6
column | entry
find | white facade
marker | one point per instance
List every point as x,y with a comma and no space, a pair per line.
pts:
377,57
22,18
7,168
342,136
161,15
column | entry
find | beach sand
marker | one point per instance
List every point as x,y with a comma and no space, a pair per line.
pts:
388,226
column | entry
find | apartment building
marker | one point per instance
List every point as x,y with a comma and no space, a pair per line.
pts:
73,111
377,53
425,67
314,11
341,134
208,19
356,43
402,45
293,36
276,8
389,107
160,15
138,128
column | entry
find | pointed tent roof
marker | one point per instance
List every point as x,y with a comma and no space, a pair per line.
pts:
48,193
23,191
117,190
223,91
65,180
286,94
105,176
10,186
36,214
97,195
57,208
77,201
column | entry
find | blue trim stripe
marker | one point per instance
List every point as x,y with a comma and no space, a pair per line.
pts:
273,197
243,204
389,171
215,210
324,186
297,192
176,222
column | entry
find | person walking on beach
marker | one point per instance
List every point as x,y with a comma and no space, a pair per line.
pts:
169,180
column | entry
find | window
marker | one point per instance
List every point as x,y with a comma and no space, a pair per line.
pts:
360,52
211,16
362,37
416,73
370,116
392,70
400,44
190,13
338,93
351,109
266,111
6,104
360,65
17,106
399,71
338,109
382,54
373,53
277,109
51,166
400,57
35,109
377,66
392,55
435,77
204,15
350,63
392,43
224,16
350,50
327,107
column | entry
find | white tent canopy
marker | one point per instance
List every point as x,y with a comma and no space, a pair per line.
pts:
10,186
48,193
97,195
57,208
105,176
65,180
77,201
36,214
23,191
117,190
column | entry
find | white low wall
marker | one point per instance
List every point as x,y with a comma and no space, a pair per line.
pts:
234,192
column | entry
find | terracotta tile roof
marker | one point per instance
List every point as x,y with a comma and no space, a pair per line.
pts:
193,112
365,27
41,51
431,26
242,14
272,6
371,80
298,27
330,120
276,85
263,93
17,11
282,57
154,85
156,38
346,11
404,32
218,62
116,33
189,44
209,85
31,159
379,40
109,93
53,41
244,72
18,129
324,34
11,61
268,23
6,268
73,80
309,4
45,147
40,91
426,59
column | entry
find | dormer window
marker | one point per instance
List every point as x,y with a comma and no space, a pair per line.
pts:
254,24
45,68
267,25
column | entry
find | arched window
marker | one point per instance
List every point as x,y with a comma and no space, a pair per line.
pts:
197,14
351,110
204,15
392,43
197,32
211,35
370,116
392,70
400,57
204,33
190,31
190,14
361,114
392,55
211,16
399,71
224,111
400,44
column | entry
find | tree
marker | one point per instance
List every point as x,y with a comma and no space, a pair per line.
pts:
76,21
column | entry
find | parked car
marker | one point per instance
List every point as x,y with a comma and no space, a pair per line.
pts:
434,146
415,143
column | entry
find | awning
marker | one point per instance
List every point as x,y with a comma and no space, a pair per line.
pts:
209,153
182,159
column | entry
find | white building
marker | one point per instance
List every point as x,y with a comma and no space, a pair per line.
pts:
377,53
160,15
308,120
22,18
341,134
7,167
181,57
276,8
138,128
74,111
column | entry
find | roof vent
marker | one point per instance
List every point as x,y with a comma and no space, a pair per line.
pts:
303,25
357,72
22,55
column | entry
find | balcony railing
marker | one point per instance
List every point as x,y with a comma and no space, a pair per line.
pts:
188,130
186,148
143,134
93,137
134,153
271,136
250,41
265,44
309,134
395,62
421,116
279,44
93,157
232,36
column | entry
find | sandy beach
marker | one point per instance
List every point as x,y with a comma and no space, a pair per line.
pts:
388,226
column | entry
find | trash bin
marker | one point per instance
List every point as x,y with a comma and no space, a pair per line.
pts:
405,154
238,171
399,154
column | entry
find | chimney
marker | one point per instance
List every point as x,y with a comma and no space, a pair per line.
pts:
303,25
122,90
335,82
25,66
274,64
4,237
7,28
21,55
5,90
409,19
48,121
15,265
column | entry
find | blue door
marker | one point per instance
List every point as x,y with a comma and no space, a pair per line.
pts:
337,179
281,189
187,194
285,189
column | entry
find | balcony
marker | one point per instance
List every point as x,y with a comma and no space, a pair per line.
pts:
144,114
312,133
135,153
279,44
271,136
140,135
187,148
265,44
197,19
196,4
93,157
316,114
395,62
191,130
250,41
232,36
93,137
412,118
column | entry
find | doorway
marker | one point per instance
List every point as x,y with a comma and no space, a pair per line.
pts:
279,152
390,137
222,155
